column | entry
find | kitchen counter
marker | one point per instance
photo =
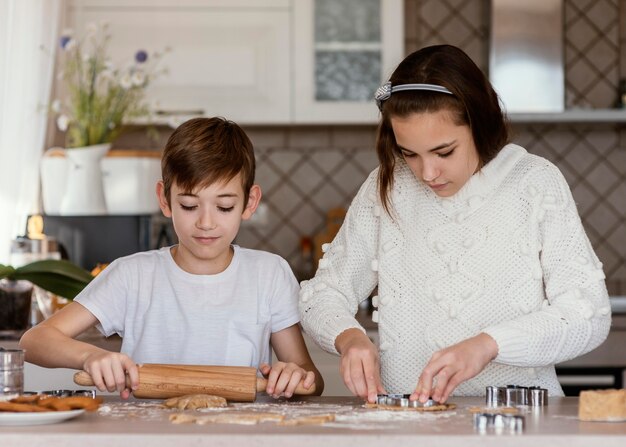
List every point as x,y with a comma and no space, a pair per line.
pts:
554,425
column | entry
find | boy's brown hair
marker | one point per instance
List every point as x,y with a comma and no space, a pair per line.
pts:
203,151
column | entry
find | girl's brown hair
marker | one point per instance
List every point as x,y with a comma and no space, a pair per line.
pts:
473,103
203,151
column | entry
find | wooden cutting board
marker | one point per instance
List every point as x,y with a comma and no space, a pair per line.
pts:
162,381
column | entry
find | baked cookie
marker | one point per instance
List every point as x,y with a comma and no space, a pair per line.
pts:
602,405
28,399
195,401
70,403
21,408
39,403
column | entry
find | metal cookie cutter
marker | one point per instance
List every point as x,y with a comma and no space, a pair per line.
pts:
514,395
402,400
510,423
64,393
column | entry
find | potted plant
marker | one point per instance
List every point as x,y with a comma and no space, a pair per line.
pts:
16,287
100,98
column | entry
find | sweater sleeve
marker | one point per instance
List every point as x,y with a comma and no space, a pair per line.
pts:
345,277
576,315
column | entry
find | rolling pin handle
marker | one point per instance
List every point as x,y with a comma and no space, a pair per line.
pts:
300,390
83,378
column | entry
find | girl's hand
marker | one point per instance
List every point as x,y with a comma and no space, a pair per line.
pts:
283,378
360,365
109,371
453,365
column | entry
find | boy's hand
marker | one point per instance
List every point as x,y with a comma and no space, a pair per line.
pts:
112,371
453,365
283,378
360,365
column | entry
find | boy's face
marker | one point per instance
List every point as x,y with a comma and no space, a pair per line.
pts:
206,222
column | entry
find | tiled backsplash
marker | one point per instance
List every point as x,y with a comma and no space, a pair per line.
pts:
305,171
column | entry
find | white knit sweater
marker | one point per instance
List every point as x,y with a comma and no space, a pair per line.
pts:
506,255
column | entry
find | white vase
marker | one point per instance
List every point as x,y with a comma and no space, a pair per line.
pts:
84,191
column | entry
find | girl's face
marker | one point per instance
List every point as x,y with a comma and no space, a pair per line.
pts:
440,153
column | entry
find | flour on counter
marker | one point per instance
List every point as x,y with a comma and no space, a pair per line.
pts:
137,410
345,416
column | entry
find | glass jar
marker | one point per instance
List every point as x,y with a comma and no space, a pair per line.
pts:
11,372
15,302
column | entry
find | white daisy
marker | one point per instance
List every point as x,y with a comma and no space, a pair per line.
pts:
63,122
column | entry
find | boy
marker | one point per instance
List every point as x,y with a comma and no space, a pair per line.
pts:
203,301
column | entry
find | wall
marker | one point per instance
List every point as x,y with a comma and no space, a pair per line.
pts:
304,171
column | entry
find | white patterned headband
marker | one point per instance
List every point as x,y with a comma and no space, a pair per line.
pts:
384,92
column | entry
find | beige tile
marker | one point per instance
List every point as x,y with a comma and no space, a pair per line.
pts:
411,27
604,179
308,137
353,136
264,137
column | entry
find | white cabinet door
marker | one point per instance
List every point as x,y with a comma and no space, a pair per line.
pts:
343,50
228,58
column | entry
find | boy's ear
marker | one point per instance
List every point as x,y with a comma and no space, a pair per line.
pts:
165,207
254,198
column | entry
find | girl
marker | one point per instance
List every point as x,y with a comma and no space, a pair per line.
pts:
485,275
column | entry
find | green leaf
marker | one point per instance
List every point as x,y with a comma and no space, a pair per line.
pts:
59,267
6,271
55,283
57,276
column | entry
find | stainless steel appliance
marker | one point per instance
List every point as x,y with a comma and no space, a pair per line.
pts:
526,54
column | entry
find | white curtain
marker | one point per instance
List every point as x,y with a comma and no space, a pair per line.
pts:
28,42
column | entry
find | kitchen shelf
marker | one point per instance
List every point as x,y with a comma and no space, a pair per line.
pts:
572,116
607,116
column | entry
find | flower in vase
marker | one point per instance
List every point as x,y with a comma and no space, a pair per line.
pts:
101,97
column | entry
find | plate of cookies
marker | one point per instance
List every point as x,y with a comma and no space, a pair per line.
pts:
37,418
39,409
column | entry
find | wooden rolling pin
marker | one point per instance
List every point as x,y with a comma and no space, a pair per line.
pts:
161,381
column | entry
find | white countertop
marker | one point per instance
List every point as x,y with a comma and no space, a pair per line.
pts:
554,425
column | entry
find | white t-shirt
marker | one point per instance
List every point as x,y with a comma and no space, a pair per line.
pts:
166,315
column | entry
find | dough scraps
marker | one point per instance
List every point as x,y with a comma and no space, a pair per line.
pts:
602,405
195,401
226,418
437,407
317,419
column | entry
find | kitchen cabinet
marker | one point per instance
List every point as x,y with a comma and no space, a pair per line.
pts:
257,61
343,52
227,58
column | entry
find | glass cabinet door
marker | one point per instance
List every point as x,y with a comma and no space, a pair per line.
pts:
344,49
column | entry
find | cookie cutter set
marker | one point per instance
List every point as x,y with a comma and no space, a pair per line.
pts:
402,400
514,395
508,396
499,423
